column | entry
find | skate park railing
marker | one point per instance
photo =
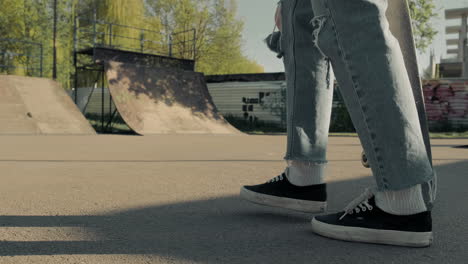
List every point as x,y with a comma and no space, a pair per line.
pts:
21,57
96,33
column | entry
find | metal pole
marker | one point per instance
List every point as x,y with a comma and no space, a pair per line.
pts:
54,67
194,44
110,108
94,27
75,56
41,59
463,46
102,101
170,46
110,35
142,41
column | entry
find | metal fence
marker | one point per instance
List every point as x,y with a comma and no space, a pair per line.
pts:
95,101
20,55
96,33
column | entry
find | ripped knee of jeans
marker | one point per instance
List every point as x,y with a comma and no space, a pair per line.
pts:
318,22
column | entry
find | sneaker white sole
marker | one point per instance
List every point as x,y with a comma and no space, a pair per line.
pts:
366,235
288,203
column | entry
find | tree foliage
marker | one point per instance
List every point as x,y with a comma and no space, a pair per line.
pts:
422,11
218,48
219,32
31,21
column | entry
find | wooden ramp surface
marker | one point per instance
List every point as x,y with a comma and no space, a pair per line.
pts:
164,100
38,106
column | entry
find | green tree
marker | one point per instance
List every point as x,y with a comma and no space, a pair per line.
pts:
223,53
218,45
218,48
24,20
422,11
31,20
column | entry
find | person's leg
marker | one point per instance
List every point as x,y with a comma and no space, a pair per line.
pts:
309,102
371,73
309,96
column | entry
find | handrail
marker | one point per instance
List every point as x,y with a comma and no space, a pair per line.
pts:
20,41
101,22
18,54
99,33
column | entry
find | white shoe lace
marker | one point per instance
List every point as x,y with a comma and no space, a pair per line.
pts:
277,178
360,204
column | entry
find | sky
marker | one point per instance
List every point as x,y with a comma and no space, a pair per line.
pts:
258,17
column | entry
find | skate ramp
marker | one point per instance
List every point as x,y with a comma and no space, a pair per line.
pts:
38,106
164,100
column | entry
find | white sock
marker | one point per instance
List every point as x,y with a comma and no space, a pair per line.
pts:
404,202
305,173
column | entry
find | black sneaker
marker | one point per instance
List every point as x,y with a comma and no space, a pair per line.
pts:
279,192
363,221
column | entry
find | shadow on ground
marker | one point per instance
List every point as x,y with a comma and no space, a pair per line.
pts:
229,230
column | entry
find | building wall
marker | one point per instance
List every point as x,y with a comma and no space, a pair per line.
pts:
259,100
447,102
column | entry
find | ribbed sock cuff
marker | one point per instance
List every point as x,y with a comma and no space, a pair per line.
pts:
305,173
404,202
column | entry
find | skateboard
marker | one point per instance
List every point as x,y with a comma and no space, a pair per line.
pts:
401,26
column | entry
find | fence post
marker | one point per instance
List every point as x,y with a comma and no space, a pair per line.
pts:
41,48
75,56
170,46
94,28
75,33
142,41
194,44
102,99
110,35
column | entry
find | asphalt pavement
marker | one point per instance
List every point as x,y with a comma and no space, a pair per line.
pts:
174,199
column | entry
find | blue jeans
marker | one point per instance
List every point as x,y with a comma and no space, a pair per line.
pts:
354,37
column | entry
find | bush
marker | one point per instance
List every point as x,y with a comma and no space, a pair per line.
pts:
341,121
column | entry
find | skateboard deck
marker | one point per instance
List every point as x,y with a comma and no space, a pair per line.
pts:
398,16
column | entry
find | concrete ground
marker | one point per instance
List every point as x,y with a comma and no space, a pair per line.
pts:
174,199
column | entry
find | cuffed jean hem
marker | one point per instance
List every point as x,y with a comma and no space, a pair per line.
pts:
305,160
305,173
405,185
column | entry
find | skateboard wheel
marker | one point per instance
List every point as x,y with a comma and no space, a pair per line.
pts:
364,160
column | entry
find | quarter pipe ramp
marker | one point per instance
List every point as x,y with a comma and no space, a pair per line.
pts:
38,106
164,100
